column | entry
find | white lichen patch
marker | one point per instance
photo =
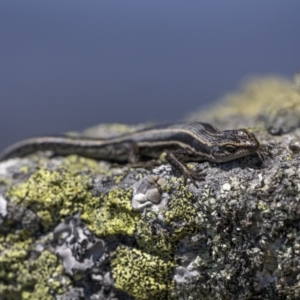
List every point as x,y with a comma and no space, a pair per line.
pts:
3,207
226,187
147,193
7,164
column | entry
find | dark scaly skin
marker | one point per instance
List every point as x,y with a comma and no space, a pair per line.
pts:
191,142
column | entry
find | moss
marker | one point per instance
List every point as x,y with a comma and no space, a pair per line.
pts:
142,275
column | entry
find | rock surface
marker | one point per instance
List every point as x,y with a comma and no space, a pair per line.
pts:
77,228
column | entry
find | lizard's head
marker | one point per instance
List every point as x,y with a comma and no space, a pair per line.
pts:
234,144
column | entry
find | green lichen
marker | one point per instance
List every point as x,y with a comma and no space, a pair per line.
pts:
10,256
52,195
62,192
142,275
113,129
181,220
76,164
25,278
40,277
113,215
158,241
259,92
4,181
180,207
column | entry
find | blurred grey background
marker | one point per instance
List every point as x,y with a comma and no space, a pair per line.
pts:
66,65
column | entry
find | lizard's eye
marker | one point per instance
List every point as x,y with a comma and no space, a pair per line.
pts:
230,148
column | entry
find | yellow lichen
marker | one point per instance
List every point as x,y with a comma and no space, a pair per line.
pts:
142,275
25,278
52,194
113,216
252,97
59,193
158,242
36,277
75,164
181,218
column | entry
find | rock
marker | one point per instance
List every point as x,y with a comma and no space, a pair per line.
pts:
77,228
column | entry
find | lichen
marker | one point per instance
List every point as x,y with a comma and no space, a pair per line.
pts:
142,275
237,235
52,194
179,217
22,277
76,164
113,215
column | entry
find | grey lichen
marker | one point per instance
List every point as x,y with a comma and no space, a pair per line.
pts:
76,228
77,247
